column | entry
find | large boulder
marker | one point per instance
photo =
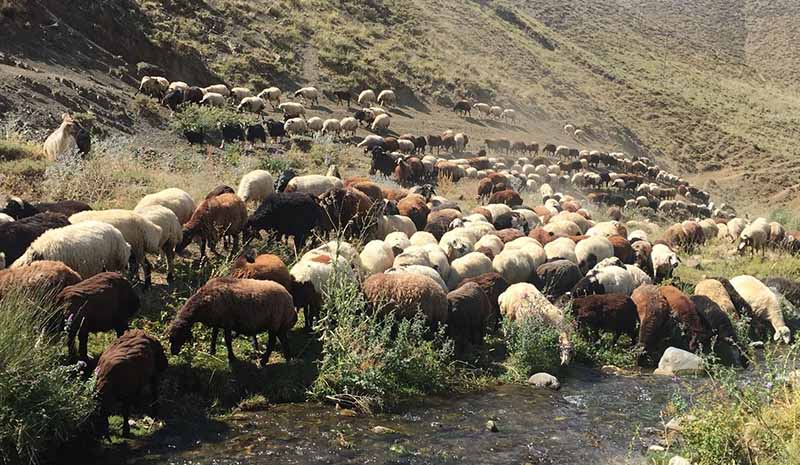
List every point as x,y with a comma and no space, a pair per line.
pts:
543,380
677,362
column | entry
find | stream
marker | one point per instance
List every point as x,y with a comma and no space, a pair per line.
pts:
593,419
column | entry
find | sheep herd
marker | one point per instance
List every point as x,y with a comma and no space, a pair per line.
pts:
411,251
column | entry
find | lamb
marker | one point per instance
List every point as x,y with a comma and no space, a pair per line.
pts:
367,97
130,363
592,250
180,202
16,236
255,186
142,235
558,277
381,123
314,184
225,214
469,266
45,277
308,94
764,303
522,300
469,310
246,306
63,140
103,302
295,126
213,99
664,262
387,98
292,110
615,313
406,295
271,95
88,248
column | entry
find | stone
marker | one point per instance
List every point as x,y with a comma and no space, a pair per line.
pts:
678,460
677,423
383,430
543,380
656,448
492,426
676,362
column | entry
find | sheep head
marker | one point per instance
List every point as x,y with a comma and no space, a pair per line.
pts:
179,332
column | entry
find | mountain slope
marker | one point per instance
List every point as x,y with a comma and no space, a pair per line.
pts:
701,86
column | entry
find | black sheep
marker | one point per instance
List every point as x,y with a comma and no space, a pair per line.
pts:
558,277
343,96
231,132
382,162
255,132
786,287
173,99
283,179
287,213
276,130
194,137
469,311
84,141
726,343
18,208
362,117
493,284
615,313
16,236
193,95
462,106
511,220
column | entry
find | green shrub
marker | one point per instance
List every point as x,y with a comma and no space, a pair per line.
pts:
12,150
203,119
533,346
373,361
42,404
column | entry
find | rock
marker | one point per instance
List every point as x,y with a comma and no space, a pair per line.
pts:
492,426
383,430
678,460
693,263
544,380
656,448
677,423
612,370
677,362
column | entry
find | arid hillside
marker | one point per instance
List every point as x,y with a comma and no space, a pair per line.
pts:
704,87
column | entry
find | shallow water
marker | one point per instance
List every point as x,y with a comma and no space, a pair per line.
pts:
593,419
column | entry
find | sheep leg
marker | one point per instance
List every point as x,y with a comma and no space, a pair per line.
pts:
126,415
154,392
213,349
169,252
83,345
202,248
617,334
229,344
270,347
284,338
148,281
255,343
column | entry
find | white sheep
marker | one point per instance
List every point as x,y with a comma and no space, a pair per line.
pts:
154,86
405,146
315,124
62,141
372,140
331,126
422,238
496,111
420,270
664,261
509,115
381,123
177,200
413,256
398,241
483,108
5,218
366,97
755,237
255,186
241,93
459,142
605,228
295,126
469,266
491,243
141,234
332,250
735,228
314,184
349,125
171,233
308,94
580,220
391,223
213,99
561,248
88,248
569,129
457,243
613,279
497,209
220,89
514,265
387,98
177,85
764,303
292,109
252,105
271,95
376,257
437,258
592,250
562,228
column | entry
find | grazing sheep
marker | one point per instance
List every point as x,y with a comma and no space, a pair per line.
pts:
615,313
493,286
420,270
592,250
45,277
103,302
515,266
561,248
295,126
398,241
406,295
171,233
366,97
523,300
657,329
292,110
489,244
388,224
255,186
314,184
180,202
623,250
63,140
264,267
220,89
213,99
224,215
308,94
246,306
558,277
381,123
271,95
755,237
376,257
765,305
142,235
387,98
310,278
462,107
239,93
88,248
16,236
606,280
153,86
314,124
664,262
252,105
684,311
332,126
131,363
416,208
716,291
469,310
723,335
785,287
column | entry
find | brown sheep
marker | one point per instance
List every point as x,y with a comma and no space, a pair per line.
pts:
225,214
345,209
544,237
219,190
246,306
371,189
46,277
132,362
654,322
448,169
675,237
684,311
643,250
507,197
103,302
623,250
264,267
694,235
439,221
407,294
394,194
614,213
508,235
469,310
610,312
414,207
483,211
493,284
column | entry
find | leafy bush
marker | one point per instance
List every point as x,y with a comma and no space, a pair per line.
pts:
373,361
12,150
533,346
42,404
203,119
